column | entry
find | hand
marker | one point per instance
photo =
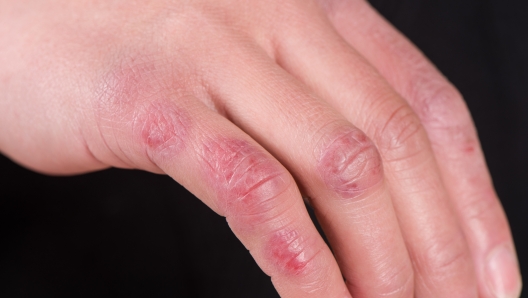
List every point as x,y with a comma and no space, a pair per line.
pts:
238,100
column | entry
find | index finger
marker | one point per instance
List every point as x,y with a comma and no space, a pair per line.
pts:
166,132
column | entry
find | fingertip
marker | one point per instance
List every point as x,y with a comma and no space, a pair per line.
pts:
502,273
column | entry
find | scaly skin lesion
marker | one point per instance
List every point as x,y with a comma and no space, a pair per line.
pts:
247,181
350,165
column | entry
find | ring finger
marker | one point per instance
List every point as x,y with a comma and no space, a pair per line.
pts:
437,246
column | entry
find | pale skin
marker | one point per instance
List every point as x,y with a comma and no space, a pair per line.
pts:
249,104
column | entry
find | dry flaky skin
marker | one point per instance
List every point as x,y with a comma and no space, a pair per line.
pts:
351,165
243,102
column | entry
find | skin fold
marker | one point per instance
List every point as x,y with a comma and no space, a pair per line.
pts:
245,103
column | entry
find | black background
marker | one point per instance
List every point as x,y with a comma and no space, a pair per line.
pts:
123,233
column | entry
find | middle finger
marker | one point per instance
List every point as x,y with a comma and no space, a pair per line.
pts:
335,162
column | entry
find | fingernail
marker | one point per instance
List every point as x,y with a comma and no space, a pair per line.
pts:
503,273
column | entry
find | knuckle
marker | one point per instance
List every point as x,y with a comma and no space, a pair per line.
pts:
297,256
402,134
400,283
444,114
134,99
288,250
447,255
162,129
481,205
247,180
350,164
449,259
439,103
